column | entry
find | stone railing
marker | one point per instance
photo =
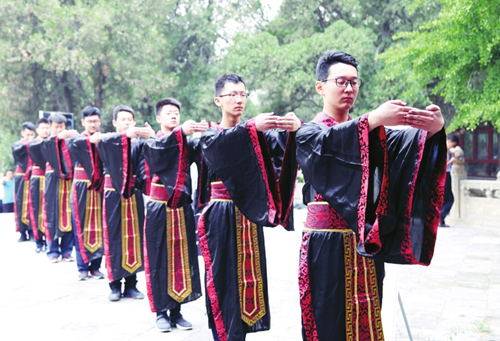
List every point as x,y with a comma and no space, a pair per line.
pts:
476,201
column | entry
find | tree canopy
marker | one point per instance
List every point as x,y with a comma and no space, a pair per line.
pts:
61,55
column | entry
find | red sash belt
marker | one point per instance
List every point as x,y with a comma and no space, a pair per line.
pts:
250,283
37,171
80,174
48,168
158,192
19,170
108,184
219,191
322,216
361,291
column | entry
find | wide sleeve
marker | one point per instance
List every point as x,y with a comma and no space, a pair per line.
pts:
241,159
36,155
20,154
282,149
333,161
57,154
417,175
167,157
86,154
115,152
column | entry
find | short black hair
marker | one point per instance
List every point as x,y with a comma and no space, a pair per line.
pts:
42,120
225,78
122,107
330,58
28,125
452,138
57,117
90,111
166,101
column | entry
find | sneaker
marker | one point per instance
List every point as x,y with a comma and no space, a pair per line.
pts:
162,323
38,249
53,259
83,275
44,248
179,322
133,293
68,258
97,274
114,295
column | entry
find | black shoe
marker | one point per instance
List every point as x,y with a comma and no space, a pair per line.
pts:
22,239
133,293
115,295
162,323
443,224
179,322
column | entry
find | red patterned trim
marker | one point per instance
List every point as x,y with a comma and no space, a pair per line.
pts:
364,152
148,178
44,212
284,180
31,213
147,270
211,292
105,234
181,172
78,225
308,321
254,138
435,205
125,164
406,248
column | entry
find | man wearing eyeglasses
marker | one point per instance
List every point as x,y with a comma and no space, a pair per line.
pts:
372,192
86,200
246,193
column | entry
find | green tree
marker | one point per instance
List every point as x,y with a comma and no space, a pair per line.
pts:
456,57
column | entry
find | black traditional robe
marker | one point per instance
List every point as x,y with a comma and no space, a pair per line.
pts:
87,198
245,195
57,192
171,254
377,192
21,185
123,215
37,184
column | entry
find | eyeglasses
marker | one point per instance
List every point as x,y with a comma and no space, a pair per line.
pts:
342,82
234,95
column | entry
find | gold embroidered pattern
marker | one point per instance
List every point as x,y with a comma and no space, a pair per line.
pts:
179,273
250,283
24,211
65,224
92,228
40,203
131,239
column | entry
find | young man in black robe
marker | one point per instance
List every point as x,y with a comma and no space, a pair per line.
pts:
57,191
37,184
371,192
171,254
246,194
123,215
22,176
87,198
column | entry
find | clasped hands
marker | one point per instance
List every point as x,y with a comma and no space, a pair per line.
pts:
396,112
268,121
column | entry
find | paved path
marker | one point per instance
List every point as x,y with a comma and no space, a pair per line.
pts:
456,298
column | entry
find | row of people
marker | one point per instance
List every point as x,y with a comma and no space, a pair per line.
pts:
373,195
